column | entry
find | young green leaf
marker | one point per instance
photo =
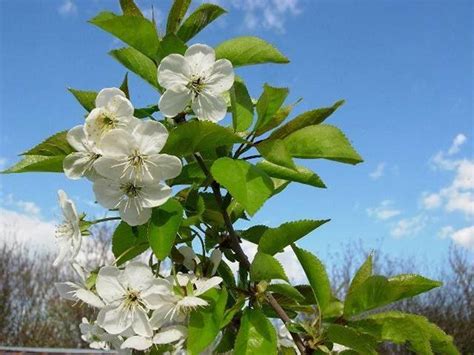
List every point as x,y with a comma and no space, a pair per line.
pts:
317,276
129,242
176,14
268,104
170,44
254,234
198,136
37,163
198,20
301,174
266,267
145,111
56,145
256,334
276,120
308,118
363,343
275,151
364,272
242,107
129,8
163,227
124,86
138,63
275,240
321,141
138,32
249,50
249,185
205,323
287,291
85,98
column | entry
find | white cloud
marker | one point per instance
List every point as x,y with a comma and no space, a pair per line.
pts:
431,201
409,226
446,231
27,207
383,211
68,7
464,237
378,172
458,141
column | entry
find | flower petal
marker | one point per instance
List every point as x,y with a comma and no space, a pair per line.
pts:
151,136
174,70
117,143
154,195
76,165
107,192
141,323
137,342
89,297
170,334
201,58
190,258
68,208
67,290
202,285
215,260
174,100
209,107
110,168
65,250
192,302
114,319
105,95
134,214
162,314
76,137
164,166
120,106
108,285
221,78
138,276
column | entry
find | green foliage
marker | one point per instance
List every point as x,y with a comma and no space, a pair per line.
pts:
56,145
249,50
377,291
198,136
129,8
256,334
362,343
37,163
274,240
136,31
286,290
198,20
364,272
275,152
317,277
205,324
176,15
266,267
163,227
300,174
171,43
85,98
249,185
242,106
321,141
129,242
268,105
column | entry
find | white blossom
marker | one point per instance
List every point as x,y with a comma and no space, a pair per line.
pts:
129,295
113,110
191,260
196,79
134,199
68,233
166,335
135,155
81,162
215,259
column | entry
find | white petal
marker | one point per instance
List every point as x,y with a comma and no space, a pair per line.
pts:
105,95
157,293
164,166
67,290
120,107
215,259
93,126
209,107
110,168
67,206
151,136
76,137
76,165
137,342
162,314
141,324
108,285
114,319
192,302
64,246
170,334
174,70
202,285
133,215
221,78
89,297
190,257
107,192
201,58
117,143
138,276
154,195
174,100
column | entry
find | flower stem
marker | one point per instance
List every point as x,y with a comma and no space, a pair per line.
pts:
106,219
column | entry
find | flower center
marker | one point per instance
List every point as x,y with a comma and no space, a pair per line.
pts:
197,85
130,190
64,230
107,122
132,298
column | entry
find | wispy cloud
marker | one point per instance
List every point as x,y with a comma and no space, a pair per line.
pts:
67,8
458,141
385,210
378,172
409,226
27,207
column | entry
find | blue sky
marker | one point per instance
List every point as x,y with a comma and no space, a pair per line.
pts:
405,69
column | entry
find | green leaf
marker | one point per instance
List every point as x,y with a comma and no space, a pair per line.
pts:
287,291
85,98
377,291
138,63
248,50
145,111
170,44
363,343
275,152
37,163
198,20
242,107
176,14
129,8
129,242
56,145
274,240
249,185
138,32
317,276
276,120
268,104
205,323
321,141
253,234
308,118
266,267
364,272
124,86
163,227
256,334
301,174
198,136
191,174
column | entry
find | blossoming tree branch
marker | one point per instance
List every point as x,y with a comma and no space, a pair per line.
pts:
179,182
